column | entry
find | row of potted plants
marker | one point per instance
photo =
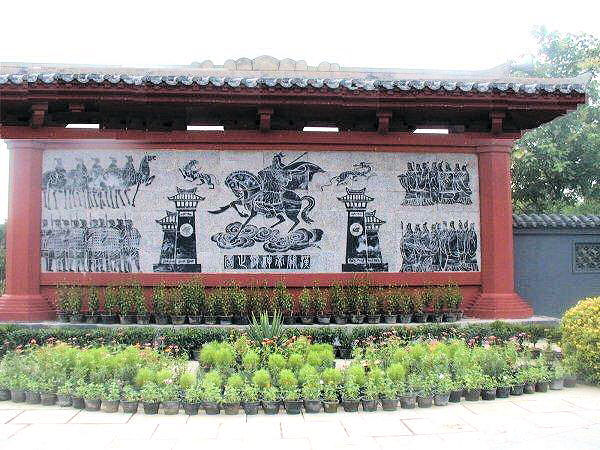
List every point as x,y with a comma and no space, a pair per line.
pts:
190,303
247,375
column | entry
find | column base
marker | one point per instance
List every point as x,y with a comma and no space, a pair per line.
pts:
499,306
25,308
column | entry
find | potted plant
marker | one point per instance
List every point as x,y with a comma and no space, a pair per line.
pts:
250,402
331,400
391,305
311,392
570,368
17,384
63,313
211,398
111,397
210,308
473,382
192,400
339,305
504,382
488,388
176,306
130,398
418,300
231,399
442,388
320,304
48,387
452,302
388,395
306,307
63,394
151,395
92,397
370,396
160,302
270,400
127,305
405,306
141,309
193,298
438,303
519,379
32,392
288,384
373,306
558,377
225,306
75,304
93,305
357,294
111,305
170,399
350,396
425,387
543,378
240,306
529,375
78,393
285,303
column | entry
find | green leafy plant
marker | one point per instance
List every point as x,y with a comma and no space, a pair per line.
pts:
231,394
284,300
193,297
261,379
350,391
261,330
339,301
127,300
306,303
112,392
211,304
270,394
176,304
93,300
250,393
319,301
240,301
151,393
211,393
111,299
129,394
311,390
160,300
250,360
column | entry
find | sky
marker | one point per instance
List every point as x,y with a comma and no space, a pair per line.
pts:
430,35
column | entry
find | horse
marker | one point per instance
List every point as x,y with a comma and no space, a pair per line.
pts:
251,196
363,170
190,172
143,175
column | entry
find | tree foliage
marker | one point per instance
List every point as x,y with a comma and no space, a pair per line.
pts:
556,167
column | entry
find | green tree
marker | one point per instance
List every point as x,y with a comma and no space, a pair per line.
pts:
556,167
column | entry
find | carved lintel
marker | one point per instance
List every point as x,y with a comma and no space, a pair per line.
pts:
383,121
38,114
265,118
496,118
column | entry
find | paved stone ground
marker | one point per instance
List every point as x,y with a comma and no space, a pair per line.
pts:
568,419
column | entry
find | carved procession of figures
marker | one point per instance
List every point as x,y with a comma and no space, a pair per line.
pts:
440,183
97,187
98,246
439,247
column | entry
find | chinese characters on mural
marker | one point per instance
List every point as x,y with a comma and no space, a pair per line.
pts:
438,184
100,246
439,247
97,188
266,262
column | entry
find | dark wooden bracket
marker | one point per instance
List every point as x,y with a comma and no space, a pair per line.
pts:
496,118
76,107
383,121
38,114
264,115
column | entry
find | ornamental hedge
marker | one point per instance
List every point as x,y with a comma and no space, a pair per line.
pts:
187,339
581,337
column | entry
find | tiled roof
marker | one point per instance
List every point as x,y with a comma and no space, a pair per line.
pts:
269,72
301,82
528,221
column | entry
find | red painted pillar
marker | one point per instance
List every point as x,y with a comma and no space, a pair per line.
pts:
498,298
22,300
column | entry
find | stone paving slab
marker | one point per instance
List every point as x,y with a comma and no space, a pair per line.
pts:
567,419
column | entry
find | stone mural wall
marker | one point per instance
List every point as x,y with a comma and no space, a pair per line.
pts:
252,211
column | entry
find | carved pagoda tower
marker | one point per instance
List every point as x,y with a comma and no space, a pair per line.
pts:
374,261
178,251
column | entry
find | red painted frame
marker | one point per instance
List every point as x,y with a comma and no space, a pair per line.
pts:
23,300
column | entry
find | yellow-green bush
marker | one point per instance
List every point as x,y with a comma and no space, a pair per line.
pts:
581,337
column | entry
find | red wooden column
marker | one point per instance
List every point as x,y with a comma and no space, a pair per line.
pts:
22,300
498,298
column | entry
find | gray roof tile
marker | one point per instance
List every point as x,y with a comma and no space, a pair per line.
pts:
530,221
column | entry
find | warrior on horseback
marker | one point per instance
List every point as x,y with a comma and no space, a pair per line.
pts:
271,193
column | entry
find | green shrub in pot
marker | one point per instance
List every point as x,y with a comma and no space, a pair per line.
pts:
350,395
472,381
332,376
356,374
307,373
262,379
250,361
170,398
442,388
370,395
192,400
295,361
339,304
250,398
311,393
151,395
270,397
93,394
130,398
306,306
330,397
284,302
111,397
231,398
211,397
276,362
388,394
